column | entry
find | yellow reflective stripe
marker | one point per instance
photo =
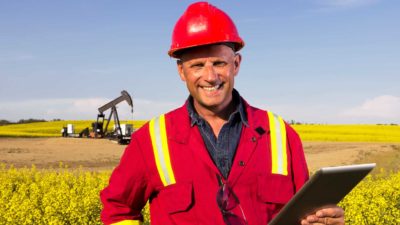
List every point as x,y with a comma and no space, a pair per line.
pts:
284,147
273,142
159,141
165,150
128,222
278,144
153,142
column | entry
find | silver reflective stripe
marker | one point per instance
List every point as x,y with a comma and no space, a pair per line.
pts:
279,144
157,134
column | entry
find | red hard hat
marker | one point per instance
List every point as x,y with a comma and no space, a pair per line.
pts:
203,24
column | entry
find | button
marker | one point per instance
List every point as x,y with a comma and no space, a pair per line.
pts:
253,139
241,163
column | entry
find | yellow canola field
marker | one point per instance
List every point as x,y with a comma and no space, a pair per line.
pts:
53,128
341,133
376,200
64,196
53,196
31,196
349,133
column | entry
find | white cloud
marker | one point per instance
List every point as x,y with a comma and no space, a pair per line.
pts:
80,109
384,107
88,104
381,109
147,109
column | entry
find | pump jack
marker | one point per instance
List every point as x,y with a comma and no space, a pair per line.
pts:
121,134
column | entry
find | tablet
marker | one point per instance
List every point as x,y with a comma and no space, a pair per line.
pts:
327,186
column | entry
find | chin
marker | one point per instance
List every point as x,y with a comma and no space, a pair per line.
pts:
212,105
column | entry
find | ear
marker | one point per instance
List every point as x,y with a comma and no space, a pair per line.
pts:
179,66
236,63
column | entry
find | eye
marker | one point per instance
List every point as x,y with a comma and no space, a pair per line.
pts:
197,65
219,63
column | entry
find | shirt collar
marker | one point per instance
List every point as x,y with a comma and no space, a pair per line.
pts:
195,118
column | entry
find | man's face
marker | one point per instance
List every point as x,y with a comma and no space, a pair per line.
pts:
209,73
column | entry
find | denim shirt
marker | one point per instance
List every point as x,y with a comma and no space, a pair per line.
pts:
222,149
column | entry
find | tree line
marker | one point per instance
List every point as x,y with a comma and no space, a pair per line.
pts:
21,121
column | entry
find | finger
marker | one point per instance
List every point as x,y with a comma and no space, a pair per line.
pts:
305,222
334,212
331,221
312,219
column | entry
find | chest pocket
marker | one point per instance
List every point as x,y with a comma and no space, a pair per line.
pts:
275,188
177,197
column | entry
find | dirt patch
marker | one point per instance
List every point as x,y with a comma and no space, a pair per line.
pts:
103,154
49,152
319,154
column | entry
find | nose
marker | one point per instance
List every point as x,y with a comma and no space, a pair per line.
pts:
211,74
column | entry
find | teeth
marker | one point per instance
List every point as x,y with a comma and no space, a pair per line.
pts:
213,88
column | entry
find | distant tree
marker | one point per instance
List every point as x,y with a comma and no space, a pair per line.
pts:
5,122
30,120
293,122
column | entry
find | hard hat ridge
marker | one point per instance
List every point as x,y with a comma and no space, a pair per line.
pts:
203,24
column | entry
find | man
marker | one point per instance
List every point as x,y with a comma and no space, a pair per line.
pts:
215,160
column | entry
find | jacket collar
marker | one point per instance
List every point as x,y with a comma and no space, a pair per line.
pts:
181,124
182,131
195,118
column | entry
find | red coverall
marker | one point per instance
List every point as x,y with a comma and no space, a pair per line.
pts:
192,200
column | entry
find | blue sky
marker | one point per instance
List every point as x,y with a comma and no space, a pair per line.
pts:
315,61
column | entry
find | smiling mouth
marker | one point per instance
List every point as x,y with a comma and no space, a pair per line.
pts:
212,88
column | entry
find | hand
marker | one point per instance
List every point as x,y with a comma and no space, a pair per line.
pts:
332,215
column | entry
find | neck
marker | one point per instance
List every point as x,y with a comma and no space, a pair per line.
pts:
221,111
215,116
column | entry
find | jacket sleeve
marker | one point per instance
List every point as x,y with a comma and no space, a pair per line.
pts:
298,161
128,189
